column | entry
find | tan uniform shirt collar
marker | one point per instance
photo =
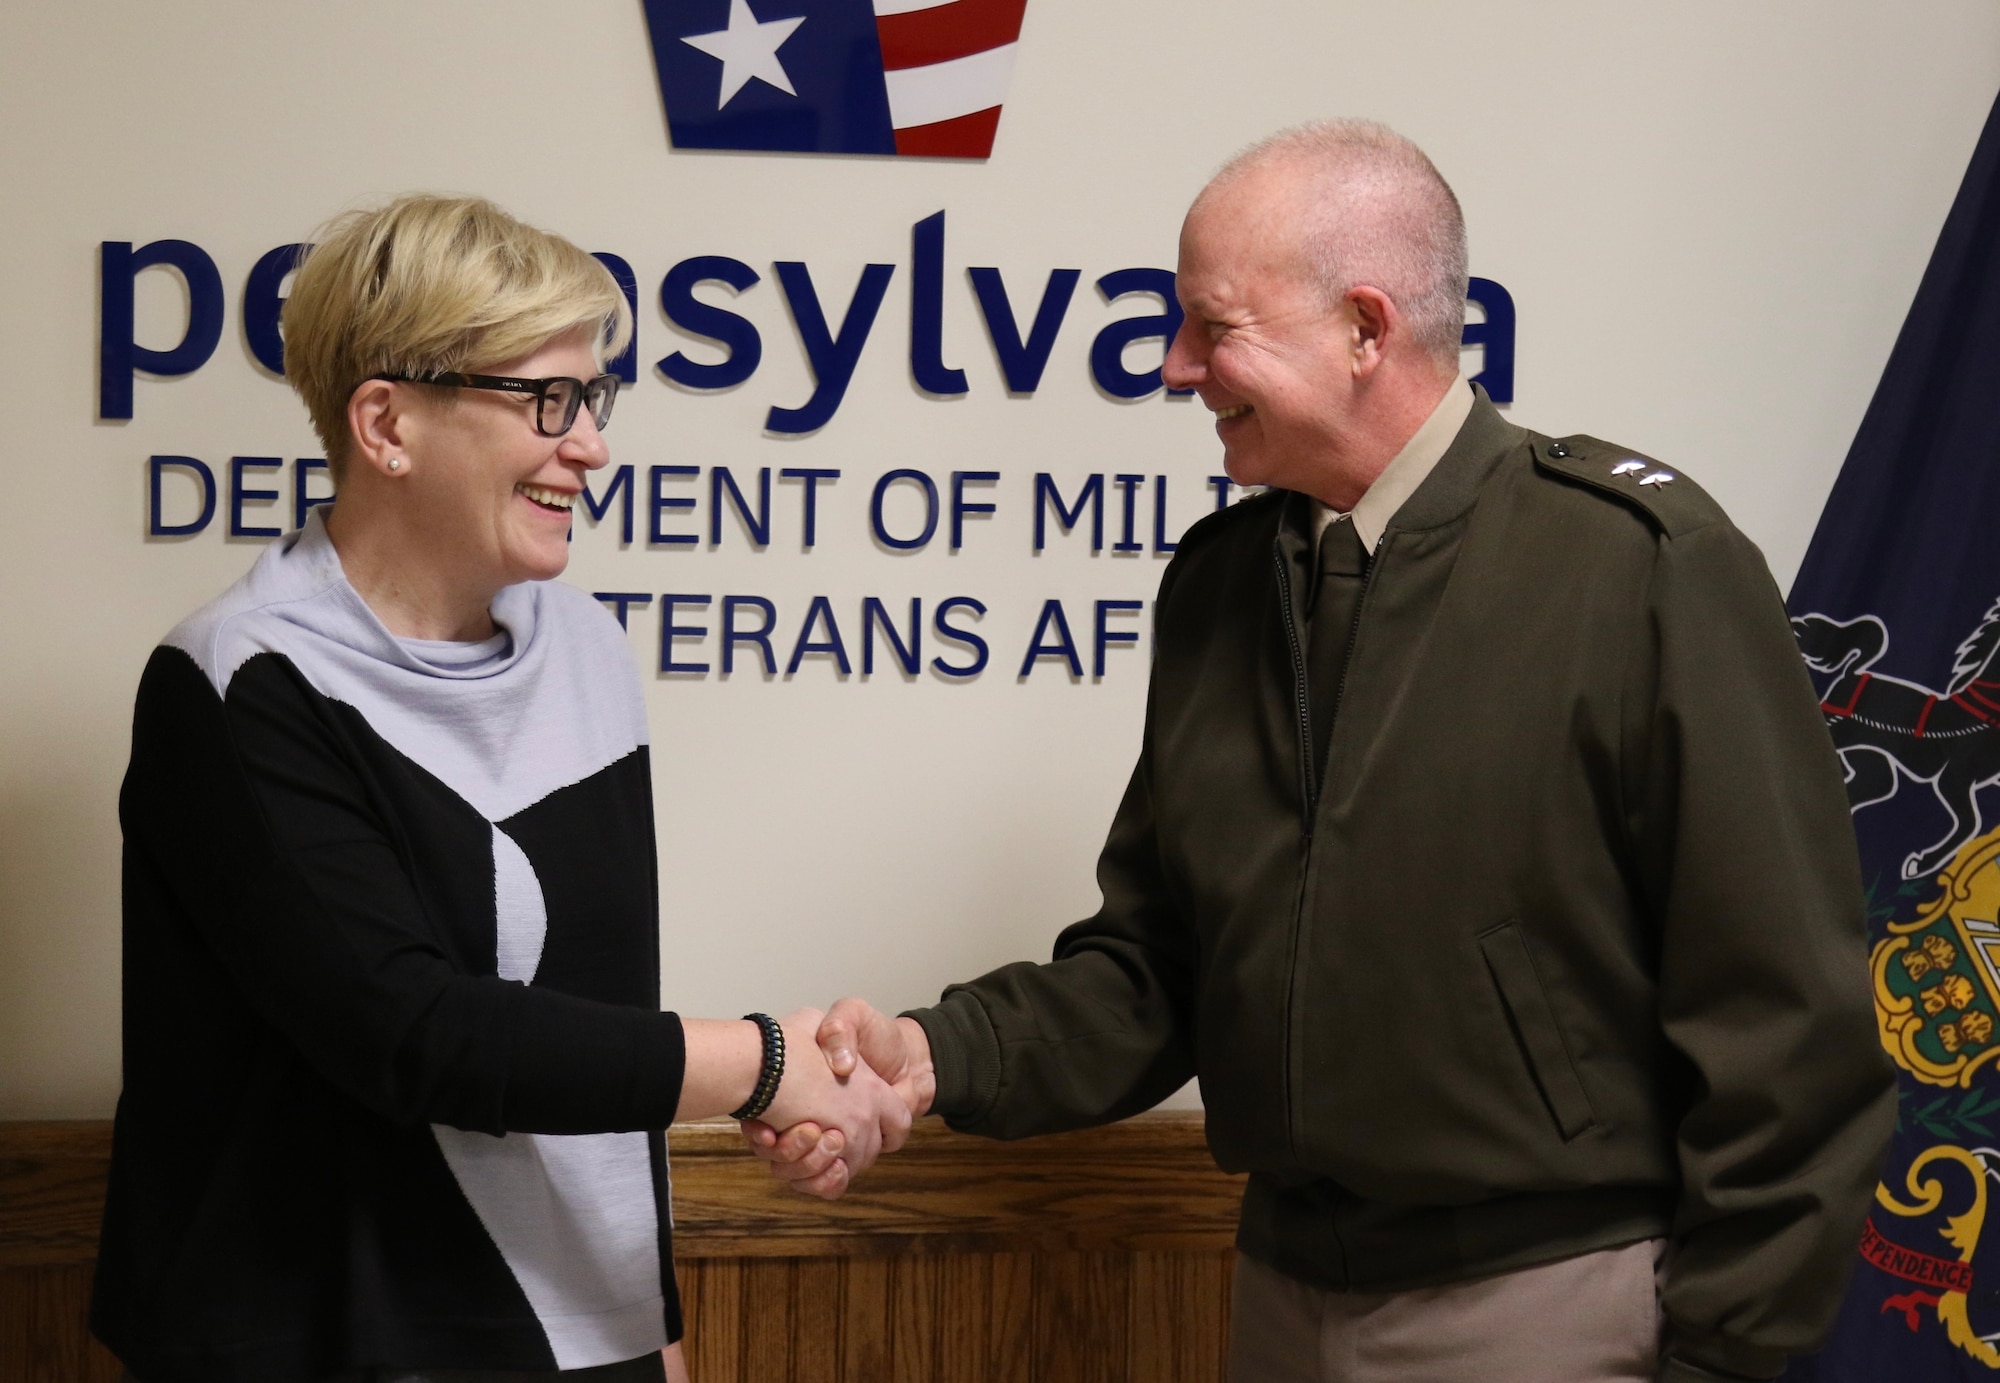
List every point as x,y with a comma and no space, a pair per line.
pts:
1406,471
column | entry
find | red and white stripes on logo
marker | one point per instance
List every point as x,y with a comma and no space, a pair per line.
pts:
948,63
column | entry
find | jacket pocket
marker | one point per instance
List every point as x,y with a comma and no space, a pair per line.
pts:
1527,1003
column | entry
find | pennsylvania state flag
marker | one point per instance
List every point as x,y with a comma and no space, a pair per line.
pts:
1897,611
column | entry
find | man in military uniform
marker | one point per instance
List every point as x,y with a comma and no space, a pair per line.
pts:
1486,858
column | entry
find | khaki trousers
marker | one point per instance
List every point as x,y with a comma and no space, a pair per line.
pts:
1594,1318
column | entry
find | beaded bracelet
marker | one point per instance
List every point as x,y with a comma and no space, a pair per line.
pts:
773,1069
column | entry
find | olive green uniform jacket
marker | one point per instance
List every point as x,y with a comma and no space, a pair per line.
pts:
1566,952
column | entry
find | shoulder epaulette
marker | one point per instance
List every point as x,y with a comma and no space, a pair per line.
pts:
1663,493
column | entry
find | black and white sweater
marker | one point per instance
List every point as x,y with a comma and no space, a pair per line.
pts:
395,1074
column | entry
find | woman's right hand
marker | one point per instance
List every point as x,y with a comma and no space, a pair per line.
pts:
859,1116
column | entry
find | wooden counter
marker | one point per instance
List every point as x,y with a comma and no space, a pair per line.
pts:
1094,1257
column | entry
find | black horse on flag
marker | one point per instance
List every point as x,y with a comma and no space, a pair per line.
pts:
1884,726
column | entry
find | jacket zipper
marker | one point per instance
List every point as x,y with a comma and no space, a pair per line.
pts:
1308,781
1308,794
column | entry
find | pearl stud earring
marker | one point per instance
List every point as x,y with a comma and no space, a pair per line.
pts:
395,463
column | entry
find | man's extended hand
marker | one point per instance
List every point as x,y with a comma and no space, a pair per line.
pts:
896,1048
860,1041
862,1115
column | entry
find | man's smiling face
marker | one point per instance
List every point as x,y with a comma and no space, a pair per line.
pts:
1260,344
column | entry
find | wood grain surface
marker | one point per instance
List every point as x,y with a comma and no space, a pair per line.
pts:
1094,1257
51,1192
43,1335
1103,1316
1147,1184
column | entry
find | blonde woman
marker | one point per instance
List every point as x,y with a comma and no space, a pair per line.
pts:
395,1074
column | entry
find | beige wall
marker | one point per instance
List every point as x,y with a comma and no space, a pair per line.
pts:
1711,217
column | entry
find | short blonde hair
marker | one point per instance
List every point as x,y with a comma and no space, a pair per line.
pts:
428,284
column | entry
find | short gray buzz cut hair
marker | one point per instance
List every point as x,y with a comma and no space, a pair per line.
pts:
1380,214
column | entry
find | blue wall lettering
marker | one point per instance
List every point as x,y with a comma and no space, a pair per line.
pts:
832,357
1062,646
760,636
118,355
1160,543
961,507
671,629
1048,497
1107,636
759,526
735,334
966,638
238,495
156,524
264,308
882,534
1107,351
811,475
1127,487
927,365
621,601
821,609
909,655
1494,337
725,494
1022,362
303,500
621,485
657,505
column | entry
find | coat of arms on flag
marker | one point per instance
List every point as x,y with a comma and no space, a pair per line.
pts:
1896,615
913,77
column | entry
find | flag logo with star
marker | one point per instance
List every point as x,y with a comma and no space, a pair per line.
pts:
912,77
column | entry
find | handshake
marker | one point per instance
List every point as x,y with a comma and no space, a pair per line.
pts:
830,1120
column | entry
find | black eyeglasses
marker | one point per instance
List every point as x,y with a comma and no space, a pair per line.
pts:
557,399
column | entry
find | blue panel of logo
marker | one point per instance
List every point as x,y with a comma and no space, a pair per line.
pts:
799,76
921,78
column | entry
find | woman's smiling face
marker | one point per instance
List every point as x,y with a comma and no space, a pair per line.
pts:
491,490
